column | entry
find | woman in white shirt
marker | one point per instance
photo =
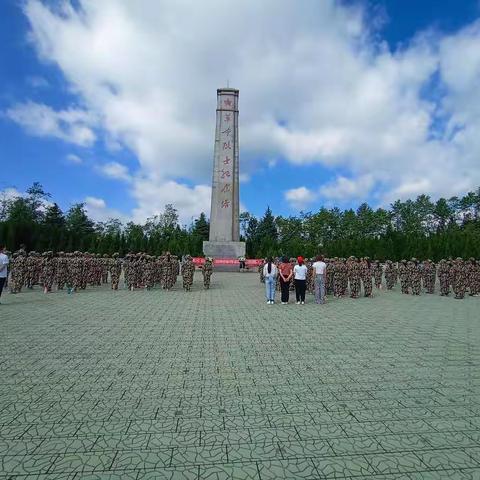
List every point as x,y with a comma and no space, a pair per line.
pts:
319,268
300,275
270,275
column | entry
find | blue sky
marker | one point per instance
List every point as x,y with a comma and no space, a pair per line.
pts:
340,102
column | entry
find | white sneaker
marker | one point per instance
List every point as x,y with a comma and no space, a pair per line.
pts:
284,303
303,303
298,303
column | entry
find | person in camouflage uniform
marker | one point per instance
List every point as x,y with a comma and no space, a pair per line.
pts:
38,269
429,276
404,277
444,277
115,269
366,276
17,272
30,269
354,276
149,272
188,271
330,277
207,271
128,271
390,274
458,278
106,261
338,274
48,271
474,277
310,276
168,272
415,276
61,272
260,271
377,274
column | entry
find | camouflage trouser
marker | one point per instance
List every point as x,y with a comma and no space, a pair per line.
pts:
206,279
389,281
187,282
444,285
416,286
459,289
367,285
337,285
404,285
354,287
429,283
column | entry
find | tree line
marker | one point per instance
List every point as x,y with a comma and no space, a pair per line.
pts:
413,228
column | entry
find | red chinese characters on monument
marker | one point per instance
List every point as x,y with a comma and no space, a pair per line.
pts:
227,142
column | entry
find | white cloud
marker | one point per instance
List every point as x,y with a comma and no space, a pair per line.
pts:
299,197
72,125
74,159
116,170
316,86
346,189
9,193
152,197
98,210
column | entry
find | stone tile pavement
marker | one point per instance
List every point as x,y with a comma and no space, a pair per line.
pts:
217,384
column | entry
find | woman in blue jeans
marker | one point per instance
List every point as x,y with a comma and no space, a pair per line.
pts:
270,274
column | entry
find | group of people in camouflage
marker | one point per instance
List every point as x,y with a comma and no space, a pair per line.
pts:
74,271
346,276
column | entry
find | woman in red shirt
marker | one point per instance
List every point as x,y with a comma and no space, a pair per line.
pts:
285,271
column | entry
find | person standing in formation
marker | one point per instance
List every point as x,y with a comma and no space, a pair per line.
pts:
3,268
270,276
377,274
207,270
319,269
285,272
115,270
366,275
429,274
188,271
390,274
48,272
458,278
300,277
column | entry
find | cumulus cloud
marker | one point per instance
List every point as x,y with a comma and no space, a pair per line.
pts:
152,197
116,170
72,125
343,188
98,210
316,86
299,197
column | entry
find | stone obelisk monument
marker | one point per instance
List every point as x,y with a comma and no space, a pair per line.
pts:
224,239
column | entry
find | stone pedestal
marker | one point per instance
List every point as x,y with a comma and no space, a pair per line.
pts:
224,249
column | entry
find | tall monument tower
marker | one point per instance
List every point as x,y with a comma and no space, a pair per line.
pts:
224,239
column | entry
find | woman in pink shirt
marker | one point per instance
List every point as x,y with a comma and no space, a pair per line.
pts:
285,271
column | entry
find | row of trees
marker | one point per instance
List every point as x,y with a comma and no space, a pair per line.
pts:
420,227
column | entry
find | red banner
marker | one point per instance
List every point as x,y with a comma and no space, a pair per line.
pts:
251,262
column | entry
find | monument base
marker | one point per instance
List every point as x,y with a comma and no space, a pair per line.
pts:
224,249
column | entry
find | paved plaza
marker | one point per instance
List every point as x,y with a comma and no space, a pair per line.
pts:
216,384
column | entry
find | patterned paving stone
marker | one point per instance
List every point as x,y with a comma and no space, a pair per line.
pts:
217,385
